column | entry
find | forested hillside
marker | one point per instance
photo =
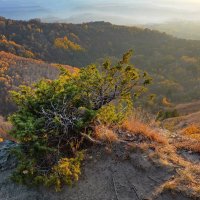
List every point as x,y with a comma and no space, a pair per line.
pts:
118,124
12,47
173,63
15,71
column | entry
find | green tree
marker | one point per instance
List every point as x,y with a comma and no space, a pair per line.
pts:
52,115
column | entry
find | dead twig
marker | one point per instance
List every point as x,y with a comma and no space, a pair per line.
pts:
91,139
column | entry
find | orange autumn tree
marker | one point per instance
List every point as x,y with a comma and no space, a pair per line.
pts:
66,44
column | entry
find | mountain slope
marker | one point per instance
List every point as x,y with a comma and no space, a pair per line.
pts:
12,47
174,63
15,71
99,39
188,108
189,115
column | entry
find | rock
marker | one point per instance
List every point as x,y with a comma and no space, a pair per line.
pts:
7,161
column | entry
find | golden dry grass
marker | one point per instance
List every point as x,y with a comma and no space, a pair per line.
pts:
134,126
105,134
161,149
186,181
189,144
190,138
187,177
164,152
192,131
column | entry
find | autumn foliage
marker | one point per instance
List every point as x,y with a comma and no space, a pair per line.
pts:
66,44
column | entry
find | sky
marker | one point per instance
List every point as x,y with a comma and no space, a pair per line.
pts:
115,11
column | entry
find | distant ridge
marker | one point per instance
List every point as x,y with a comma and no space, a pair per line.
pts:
172,62
180,29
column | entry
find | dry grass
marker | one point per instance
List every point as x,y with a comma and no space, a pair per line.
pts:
4,128
187,177
172,124
192,131
136,127
143,116
186,180
189,144
162,150
164,153
190,138
105,134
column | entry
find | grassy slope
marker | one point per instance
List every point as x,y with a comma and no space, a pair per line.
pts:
189,114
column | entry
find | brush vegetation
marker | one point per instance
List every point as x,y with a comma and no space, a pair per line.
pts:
54,116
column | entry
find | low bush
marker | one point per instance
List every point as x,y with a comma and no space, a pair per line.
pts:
54,115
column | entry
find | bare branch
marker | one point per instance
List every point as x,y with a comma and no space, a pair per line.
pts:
91,139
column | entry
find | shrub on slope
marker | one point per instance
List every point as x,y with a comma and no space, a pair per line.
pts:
53,116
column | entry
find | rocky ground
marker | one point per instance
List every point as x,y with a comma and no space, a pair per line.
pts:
137,167
117,172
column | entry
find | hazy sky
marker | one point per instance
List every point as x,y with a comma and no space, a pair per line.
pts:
116,11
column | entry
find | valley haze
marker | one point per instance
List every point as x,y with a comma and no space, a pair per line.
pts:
127,12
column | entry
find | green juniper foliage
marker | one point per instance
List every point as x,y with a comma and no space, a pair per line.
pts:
52,115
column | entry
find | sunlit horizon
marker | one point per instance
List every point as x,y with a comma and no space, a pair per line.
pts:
127,12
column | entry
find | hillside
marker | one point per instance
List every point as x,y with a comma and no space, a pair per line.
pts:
99,100
181,29
15,71
12,47
189,115
188,108
82,128
173,63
